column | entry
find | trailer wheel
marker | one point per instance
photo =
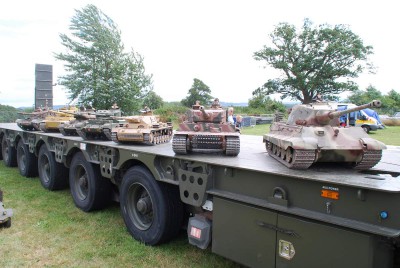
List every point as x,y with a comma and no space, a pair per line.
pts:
53,175
152,211
8,153
27,162
89,189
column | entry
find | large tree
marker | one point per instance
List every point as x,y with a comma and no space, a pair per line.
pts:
198,92
152,100
315,59
99,72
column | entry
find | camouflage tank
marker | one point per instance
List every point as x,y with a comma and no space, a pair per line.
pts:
5,214
207,131
31,120
312,134
79,120
99,128
53,119
145,128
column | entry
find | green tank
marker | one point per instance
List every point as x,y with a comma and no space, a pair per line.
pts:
146,128
207,131
312,134
5,214
78,121
99,128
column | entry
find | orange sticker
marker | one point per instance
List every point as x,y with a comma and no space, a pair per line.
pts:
330,194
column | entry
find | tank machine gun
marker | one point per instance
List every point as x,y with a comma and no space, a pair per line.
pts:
145,128
312,134
207,131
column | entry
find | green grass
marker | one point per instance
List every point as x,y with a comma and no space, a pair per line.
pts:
389,135
49,231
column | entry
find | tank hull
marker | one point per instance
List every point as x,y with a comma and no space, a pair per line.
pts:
206,138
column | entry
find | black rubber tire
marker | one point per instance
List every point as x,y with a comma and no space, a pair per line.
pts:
8,153
89,189
163,218
53,175
27,162
366,129
6,224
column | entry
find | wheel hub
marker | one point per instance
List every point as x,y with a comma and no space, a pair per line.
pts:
144,205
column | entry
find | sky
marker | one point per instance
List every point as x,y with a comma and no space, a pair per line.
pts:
211,40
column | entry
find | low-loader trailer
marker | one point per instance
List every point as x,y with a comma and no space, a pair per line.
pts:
249,208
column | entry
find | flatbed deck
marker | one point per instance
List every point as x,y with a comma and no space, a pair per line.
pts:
253,156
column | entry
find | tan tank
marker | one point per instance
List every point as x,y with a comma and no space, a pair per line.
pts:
207,131
312,134
145,128
54,118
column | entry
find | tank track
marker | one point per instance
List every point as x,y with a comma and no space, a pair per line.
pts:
232,146
369,159
81,133
114,137
107,133
28,128
179,144
294,159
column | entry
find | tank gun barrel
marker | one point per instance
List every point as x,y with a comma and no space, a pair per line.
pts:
324,117
374,103
205,114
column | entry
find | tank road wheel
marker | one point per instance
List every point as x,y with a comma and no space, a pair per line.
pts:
8,153
151,138
53,175
152,211
107,133
27,162
289,155
89,189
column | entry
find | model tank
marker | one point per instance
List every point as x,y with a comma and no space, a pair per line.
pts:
99,128
5,214
54,118
312,133
207,131
30,121
145,128
79,120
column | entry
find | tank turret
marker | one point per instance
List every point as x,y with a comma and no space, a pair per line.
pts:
146,128
207,131
322,113
80,117
312,134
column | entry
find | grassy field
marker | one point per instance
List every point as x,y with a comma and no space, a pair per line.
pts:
49,231
389,135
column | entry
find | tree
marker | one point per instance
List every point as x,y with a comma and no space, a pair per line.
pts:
266,103
198,92
99,72
152,100
316,59
360,97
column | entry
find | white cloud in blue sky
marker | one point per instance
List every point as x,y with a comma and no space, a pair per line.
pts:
180,40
